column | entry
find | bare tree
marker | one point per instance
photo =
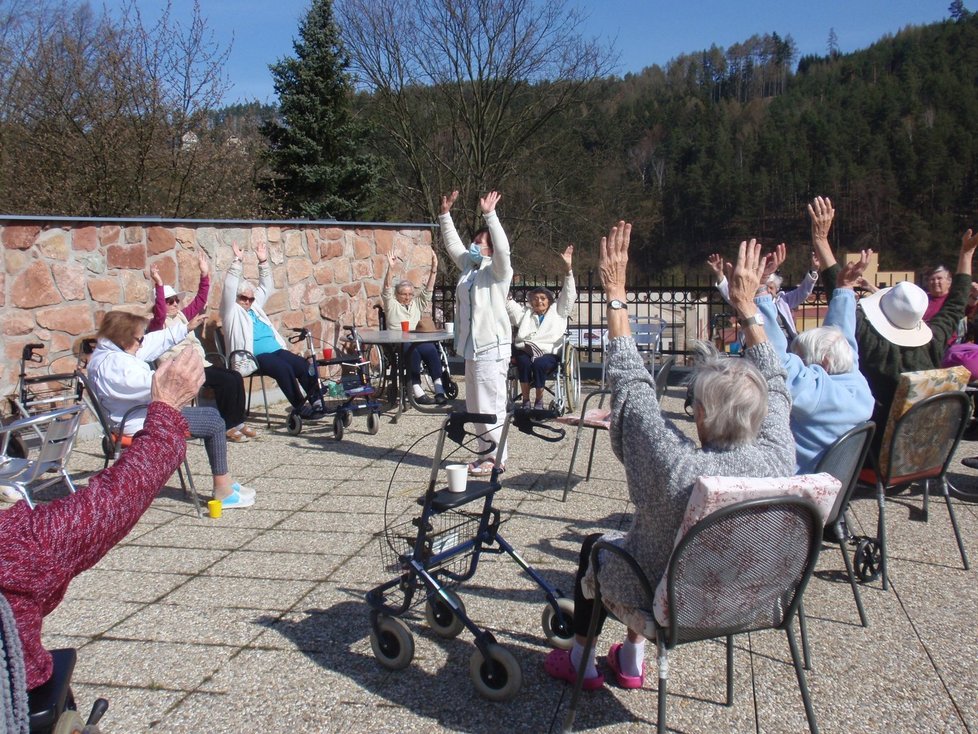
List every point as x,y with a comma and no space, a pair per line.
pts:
468,91
114,117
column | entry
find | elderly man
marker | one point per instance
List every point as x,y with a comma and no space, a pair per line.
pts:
401,304
891,333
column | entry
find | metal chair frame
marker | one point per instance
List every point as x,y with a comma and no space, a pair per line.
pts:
229,363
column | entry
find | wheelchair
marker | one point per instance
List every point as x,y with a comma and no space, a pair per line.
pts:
564,387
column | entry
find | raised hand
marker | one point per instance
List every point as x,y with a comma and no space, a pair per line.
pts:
177,381
715,263
203,263
821,213
196,321
488,202
434,259
746,275
851,273
816,262
568,257
775,260
261,250
154,272
613,260
238,253
391,259
969,241
447,201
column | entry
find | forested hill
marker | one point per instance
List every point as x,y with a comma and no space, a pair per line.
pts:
728,144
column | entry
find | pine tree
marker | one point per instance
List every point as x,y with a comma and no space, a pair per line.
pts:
957,10
317,145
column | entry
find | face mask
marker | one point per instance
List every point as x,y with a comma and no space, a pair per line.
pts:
475,253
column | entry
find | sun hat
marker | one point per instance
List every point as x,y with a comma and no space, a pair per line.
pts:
897,314
168,292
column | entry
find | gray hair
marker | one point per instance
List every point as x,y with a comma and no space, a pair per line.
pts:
825,346
776,279
245,287
733,395
403,284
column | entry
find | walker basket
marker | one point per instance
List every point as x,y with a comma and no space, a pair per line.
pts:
446,530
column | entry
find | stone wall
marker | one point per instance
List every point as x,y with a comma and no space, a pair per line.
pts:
59,276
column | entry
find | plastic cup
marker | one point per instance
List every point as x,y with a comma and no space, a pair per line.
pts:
405,326
214,508
327,352
458,475
450,327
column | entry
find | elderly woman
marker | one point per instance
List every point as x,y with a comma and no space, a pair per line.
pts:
741,414
483,334
829,395
121,377
401,304
540,332
226,385
247,326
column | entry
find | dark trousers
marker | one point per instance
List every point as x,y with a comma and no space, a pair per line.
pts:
583,607
425,352
229,395
539,369
286,368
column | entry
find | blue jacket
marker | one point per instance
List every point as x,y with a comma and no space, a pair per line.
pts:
823,406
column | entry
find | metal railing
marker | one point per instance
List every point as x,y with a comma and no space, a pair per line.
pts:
691,308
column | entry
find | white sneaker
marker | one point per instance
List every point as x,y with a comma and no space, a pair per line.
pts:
243,491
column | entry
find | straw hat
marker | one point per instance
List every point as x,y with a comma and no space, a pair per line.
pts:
897,314
168,292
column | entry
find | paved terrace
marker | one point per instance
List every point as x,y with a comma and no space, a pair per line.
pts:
257,621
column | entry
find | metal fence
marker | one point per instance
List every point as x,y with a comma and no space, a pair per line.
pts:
691,309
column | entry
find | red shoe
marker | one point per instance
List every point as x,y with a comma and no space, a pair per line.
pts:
558,665
624,681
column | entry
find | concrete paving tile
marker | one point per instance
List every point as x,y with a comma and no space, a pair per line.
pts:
275,565
144,558
304,541
330,522
156,665
80,617
204,536
131,710
189,624
222,591
135,586
257,516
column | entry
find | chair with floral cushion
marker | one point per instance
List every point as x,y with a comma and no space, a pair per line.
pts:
743,556
930,412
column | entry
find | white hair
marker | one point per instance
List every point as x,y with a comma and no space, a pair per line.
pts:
403,284
732,393
776,279
825,346
245,287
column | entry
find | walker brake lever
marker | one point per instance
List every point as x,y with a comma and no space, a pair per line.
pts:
526,422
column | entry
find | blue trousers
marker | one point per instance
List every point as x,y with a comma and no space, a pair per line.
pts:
286,369
425,352
539,369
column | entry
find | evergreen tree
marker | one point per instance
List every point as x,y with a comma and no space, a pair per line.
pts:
316,147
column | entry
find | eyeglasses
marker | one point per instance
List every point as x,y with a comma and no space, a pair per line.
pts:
173,300
139,339
247,299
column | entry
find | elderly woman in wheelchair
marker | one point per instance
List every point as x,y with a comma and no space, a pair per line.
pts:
741,409
540,329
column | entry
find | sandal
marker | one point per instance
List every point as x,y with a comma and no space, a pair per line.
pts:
481,468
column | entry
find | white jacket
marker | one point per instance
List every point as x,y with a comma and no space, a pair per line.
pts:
396,312
548,335
122,381
239,332
481,321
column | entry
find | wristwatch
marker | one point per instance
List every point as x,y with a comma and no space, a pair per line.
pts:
616,305
757,319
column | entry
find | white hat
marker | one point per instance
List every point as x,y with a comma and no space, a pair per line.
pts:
897,314
168,292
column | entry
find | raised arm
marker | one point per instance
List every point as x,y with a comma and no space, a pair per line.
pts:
199,303
745,279
843,313
821,214
453,243
159,301
433,275
502,269
969,241
568,294
266,286
230,294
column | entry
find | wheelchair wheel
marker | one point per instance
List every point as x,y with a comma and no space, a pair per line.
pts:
373,423
338,427
347,418
294,424
70,722
499,682
392,642
868,560
559,635
572,379
379,367
442,619
451,388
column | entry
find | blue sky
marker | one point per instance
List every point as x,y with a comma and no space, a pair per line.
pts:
644,32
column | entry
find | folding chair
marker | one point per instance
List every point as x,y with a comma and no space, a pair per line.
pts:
25,475
844,460
919,441
244,354
662,376
114,441
737,566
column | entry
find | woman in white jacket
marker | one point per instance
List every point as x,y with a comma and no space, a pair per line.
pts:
247,326
540,332
122,379
483,335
